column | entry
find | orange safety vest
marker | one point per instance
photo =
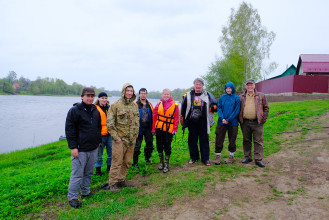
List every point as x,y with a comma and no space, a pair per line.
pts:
103,120
165,121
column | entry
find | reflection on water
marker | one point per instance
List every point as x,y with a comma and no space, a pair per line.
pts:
28,121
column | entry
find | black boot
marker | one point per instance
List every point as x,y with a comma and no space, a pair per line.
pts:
98,171
108,168
160,167
166,165
135,160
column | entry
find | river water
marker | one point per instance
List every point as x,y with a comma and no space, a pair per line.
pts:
29,121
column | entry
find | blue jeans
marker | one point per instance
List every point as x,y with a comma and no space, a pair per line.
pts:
106,141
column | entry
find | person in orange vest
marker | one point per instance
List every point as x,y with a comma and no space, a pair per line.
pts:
102,105
165,124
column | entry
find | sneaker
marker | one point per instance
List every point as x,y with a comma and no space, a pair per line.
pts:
230,160
218,160
125,184
113,188
75,203
89,195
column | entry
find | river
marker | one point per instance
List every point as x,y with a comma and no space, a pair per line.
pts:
29,121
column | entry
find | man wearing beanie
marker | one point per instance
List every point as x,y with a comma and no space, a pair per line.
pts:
123,125
83,134
102,105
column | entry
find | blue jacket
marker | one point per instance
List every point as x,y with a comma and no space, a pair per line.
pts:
149,107
228,107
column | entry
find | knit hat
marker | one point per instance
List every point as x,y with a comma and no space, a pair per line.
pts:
102,94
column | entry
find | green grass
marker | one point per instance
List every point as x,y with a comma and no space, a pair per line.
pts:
34,181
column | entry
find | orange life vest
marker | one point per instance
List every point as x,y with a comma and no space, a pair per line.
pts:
103,120
165,121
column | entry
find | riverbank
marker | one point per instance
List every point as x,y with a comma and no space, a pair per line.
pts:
34,181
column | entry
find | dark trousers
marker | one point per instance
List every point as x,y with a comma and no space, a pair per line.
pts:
163,140
220,137
148,149
198,131
252,132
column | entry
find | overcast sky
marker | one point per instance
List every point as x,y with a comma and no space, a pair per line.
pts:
149,43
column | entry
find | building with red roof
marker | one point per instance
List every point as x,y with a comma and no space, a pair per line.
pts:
312,76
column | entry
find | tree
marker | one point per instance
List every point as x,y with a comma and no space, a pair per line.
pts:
246,43
12,77
246,36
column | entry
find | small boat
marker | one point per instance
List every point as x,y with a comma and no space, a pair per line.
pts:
62,138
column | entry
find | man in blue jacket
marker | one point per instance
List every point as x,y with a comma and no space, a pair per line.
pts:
145,128
228,109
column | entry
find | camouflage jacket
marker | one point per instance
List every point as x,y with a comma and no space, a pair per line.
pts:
123,119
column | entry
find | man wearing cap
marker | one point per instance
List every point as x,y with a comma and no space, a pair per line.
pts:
83,134
197,116
253,114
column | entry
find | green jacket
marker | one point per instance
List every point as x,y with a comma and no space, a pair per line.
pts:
123,119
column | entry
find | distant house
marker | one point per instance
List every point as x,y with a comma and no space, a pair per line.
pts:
313,64
310,76
15,85
290,71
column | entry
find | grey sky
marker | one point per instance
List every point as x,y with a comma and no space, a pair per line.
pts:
149,43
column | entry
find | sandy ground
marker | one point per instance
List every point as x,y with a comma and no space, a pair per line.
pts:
294,185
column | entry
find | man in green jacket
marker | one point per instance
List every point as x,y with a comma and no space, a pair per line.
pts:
123,125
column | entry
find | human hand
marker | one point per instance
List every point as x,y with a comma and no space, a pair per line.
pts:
118,140
224,121
75,152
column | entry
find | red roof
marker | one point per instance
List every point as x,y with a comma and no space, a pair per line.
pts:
313,63
315,58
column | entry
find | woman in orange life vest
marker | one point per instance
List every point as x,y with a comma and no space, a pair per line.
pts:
165,124
102,105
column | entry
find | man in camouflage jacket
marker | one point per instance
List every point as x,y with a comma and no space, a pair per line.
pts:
123,125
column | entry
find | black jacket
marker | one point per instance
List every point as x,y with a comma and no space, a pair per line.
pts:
83,128
213,104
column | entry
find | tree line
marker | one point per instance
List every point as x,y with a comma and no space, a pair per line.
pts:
41,86
11,84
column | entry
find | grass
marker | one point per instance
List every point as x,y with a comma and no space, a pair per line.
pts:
34,181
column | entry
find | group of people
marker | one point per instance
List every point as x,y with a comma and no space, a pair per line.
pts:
121,127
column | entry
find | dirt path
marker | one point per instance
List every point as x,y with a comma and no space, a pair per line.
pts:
294,185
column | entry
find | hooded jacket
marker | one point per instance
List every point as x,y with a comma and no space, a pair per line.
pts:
123,118
228,107
83,128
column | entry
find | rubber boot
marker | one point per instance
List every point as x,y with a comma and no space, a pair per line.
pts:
166,165
160,167
135,160
98,171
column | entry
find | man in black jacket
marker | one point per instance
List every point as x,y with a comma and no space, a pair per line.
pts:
198,116
83,133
